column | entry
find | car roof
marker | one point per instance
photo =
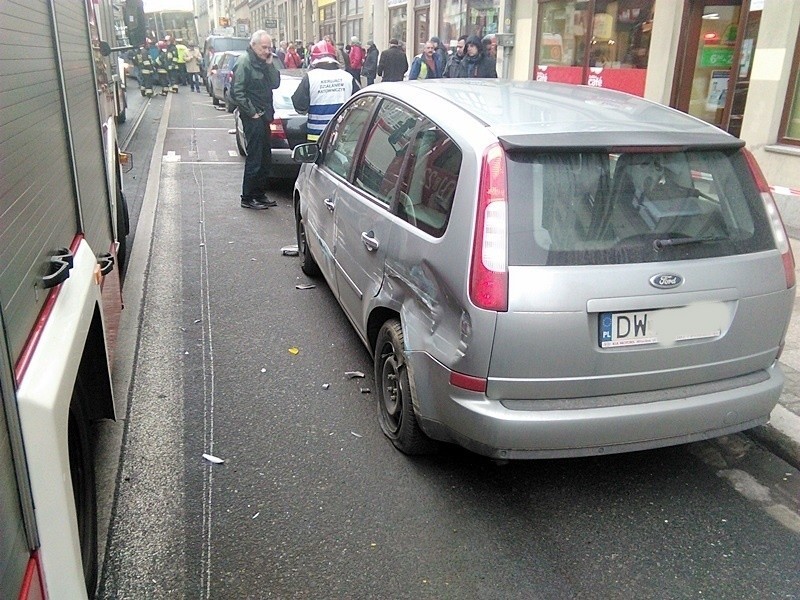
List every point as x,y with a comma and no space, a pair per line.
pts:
524,114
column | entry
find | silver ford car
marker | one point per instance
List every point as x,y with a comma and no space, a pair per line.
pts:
546,270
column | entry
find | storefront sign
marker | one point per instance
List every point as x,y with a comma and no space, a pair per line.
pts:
716,56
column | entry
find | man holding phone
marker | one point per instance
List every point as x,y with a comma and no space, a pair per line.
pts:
254,78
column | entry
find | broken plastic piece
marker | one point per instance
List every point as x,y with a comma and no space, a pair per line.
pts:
365,390
354,374
294,350
358,435
325,386
290,251
305,286
213,459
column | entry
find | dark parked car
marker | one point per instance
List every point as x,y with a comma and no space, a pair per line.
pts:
214,44
547,270
288,129
221,80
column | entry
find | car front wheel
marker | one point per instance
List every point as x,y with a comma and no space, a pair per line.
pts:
395,408
307,263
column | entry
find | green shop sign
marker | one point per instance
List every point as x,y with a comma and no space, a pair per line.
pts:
716,57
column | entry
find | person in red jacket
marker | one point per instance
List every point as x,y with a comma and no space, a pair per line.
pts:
356,57
292,60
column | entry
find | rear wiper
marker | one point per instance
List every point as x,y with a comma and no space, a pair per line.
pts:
682,241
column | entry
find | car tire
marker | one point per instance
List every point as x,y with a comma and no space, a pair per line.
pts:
307,263
395,403
214,99
123,229
81,463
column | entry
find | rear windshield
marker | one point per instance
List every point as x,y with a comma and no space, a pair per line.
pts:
599,208
225,44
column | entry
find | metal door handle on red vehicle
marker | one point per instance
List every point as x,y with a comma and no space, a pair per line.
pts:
369,240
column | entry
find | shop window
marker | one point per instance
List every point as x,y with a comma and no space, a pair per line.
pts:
468,17
790,124
595,42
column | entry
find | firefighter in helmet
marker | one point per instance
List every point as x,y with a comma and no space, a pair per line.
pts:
146,69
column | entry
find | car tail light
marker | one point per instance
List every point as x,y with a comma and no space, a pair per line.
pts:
488,277
778,229
276,129
32,587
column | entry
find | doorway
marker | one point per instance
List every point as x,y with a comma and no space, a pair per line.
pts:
714,61
421,29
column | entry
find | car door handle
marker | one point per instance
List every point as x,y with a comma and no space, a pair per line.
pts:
370,241
330,203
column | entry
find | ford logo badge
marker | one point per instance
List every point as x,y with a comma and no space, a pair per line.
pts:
666,281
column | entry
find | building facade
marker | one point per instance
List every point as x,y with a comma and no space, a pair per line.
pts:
733,63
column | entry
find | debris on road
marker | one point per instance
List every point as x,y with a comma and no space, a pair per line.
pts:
358,435
365,390
294,350
213,459
325,386
305,286
290,251
353,374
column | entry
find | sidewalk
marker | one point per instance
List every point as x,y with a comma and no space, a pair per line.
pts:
782,433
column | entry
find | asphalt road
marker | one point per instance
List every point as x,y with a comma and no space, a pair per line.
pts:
230,359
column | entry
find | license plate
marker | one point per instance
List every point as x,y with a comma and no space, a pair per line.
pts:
663,326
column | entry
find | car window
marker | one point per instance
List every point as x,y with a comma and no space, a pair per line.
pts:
378,169
428,188
600,208
340,144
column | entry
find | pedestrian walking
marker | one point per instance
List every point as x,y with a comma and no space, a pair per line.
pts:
255,76
323,89
475,62
356,56
193,58
453,66
392,64
370,68
425,65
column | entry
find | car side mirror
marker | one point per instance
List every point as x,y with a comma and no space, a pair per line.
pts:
305,153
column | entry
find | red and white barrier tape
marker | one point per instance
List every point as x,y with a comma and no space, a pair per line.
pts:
784,191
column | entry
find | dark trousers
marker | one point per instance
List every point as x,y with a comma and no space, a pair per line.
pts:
259,157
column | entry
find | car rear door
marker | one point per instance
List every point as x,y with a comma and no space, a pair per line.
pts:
363,218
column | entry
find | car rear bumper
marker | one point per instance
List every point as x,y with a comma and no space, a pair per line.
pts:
489,427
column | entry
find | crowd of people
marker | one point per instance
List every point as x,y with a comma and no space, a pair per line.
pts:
164,65
470,56
334,73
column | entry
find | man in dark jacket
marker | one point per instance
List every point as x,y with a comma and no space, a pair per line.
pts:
393,64
254,78
454,62
475,62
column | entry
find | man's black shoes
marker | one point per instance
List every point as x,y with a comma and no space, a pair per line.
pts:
254,204
266,200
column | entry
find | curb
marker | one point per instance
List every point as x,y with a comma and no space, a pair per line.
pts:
781,435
